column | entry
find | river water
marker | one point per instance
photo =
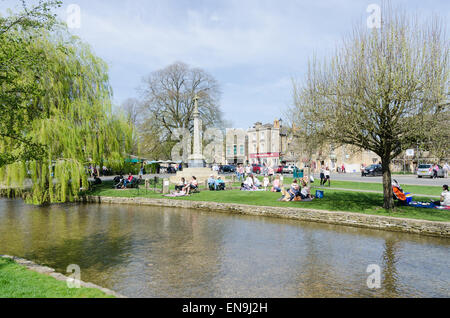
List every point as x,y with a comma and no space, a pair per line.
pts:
166,252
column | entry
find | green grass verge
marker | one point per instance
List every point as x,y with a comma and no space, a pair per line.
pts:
414,189
16,281
334,200
372,186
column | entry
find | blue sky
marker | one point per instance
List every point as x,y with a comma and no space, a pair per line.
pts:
252,47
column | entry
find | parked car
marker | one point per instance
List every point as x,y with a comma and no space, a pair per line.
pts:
257,168
372,170
288,169
426,170
229,168
279,169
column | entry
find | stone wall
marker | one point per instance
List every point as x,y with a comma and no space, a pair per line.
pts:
441,229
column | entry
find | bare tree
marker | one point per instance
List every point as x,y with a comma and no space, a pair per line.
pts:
168,103
169,97
308,139
385,88
132,108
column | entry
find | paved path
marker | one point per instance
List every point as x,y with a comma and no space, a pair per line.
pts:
402,179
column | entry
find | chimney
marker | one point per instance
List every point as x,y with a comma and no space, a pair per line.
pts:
276,123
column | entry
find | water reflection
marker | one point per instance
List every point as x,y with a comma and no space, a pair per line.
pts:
161,252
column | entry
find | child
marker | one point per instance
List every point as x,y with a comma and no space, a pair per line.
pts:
266,183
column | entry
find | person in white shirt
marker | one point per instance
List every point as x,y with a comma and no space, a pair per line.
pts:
327,176
322,176
266,183
256,182
248,183
445,197
446,169
248,170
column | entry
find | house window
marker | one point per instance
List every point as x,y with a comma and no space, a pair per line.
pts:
262,135
254,148
235,150
228,151
254,136
242,149
262,148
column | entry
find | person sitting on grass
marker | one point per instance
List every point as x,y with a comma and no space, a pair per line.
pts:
118,182
276,186
220,184
97,180
305,193
193,185
127,181
293,194
212,183
181,185
398,193
445,197
256,182
248,184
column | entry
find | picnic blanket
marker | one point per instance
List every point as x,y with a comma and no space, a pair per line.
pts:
176,194
428,205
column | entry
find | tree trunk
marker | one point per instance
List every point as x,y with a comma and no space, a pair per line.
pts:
388,203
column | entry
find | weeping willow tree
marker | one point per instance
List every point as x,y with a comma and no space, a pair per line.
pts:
77,127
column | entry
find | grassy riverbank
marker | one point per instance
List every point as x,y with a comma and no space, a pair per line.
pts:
16,281
334,200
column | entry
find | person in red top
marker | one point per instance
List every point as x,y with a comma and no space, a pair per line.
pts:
128,180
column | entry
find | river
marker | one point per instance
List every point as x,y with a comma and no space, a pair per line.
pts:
165,252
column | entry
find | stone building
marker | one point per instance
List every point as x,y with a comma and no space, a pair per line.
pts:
264,143
236,151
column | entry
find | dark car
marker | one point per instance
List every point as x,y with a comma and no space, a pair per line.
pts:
228,168
372,170
257,168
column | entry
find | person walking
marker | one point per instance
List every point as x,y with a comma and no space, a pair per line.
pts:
327,176
240,172
446,169
435,171
322,176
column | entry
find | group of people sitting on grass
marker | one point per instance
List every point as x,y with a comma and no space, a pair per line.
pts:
216,184
252,183
120,182
297,192
184,188
401,197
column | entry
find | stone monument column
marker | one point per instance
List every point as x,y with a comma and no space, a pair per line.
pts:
196,160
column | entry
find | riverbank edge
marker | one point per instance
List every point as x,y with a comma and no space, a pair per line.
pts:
44,270
423,227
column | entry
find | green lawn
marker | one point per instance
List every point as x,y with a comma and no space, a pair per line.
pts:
16,281
414,189
371,186
334,200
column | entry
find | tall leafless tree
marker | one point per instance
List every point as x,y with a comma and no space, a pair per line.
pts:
384,90
168,99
